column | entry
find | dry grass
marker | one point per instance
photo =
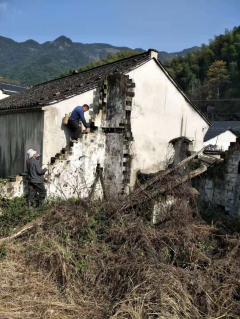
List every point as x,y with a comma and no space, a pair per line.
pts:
89,261
27,293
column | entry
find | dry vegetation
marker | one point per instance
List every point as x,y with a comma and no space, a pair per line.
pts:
91,261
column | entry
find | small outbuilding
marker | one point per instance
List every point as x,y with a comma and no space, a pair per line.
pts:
221,134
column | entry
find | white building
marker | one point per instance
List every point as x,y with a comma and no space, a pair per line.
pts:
221,134
135,110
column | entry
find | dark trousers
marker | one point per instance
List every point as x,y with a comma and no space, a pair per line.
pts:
76,129
37,189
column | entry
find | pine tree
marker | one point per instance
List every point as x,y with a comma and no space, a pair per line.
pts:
216,77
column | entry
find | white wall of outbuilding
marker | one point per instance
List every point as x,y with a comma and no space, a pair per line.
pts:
222,141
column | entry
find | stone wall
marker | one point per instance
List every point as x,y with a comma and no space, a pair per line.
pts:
221,185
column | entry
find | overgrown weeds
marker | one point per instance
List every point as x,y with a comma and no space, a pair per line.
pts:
94,262
15,213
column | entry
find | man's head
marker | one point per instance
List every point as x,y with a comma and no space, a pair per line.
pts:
85,107
31,153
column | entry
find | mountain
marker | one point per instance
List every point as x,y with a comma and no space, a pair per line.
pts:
30,62
166,56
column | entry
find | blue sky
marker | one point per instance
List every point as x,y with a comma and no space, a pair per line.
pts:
164,25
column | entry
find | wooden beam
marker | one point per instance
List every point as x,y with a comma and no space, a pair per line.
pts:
135,199
167,171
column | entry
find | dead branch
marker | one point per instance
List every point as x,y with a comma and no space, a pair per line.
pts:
167,171
23,230
135,199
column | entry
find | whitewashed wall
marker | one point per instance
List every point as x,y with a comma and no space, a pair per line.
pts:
160,113
222,141
56,134
3,95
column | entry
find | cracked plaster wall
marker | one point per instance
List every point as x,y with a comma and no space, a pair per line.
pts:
159,114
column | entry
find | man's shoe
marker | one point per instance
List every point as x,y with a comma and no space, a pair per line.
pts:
73,141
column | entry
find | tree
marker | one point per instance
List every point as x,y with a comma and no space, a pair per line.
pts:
193,72
216,78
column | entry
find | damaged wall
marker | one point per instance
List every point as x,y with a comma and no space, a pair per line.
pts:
221,185
56,134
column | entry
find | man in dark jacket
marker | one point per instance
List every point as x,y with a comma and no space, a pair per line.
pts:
36,179
73,122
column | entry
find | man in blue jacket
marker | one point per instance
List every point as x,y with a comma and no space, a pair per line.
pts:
73,122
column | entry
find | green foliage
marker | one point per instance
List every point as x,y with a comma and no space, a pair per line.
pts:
31,63
8,81
216,78
108,59
3,250
3,180
211,72
16,213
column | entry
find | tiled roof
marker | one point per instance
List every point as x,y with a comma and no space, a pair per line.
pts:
220,127
63,88
60,89
11,88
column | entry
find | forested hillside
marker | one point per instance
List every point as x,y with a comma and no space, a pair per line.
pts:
212,72
31,63
8,81
108,59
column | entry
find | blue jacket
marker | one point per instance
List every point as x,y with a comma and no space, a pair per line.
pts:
78,114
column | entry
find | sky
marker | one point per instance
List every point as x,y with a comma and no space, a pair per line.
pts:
170,26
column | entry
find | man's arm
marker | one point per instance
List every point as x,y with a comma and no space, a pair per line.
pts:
82,117
39,170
